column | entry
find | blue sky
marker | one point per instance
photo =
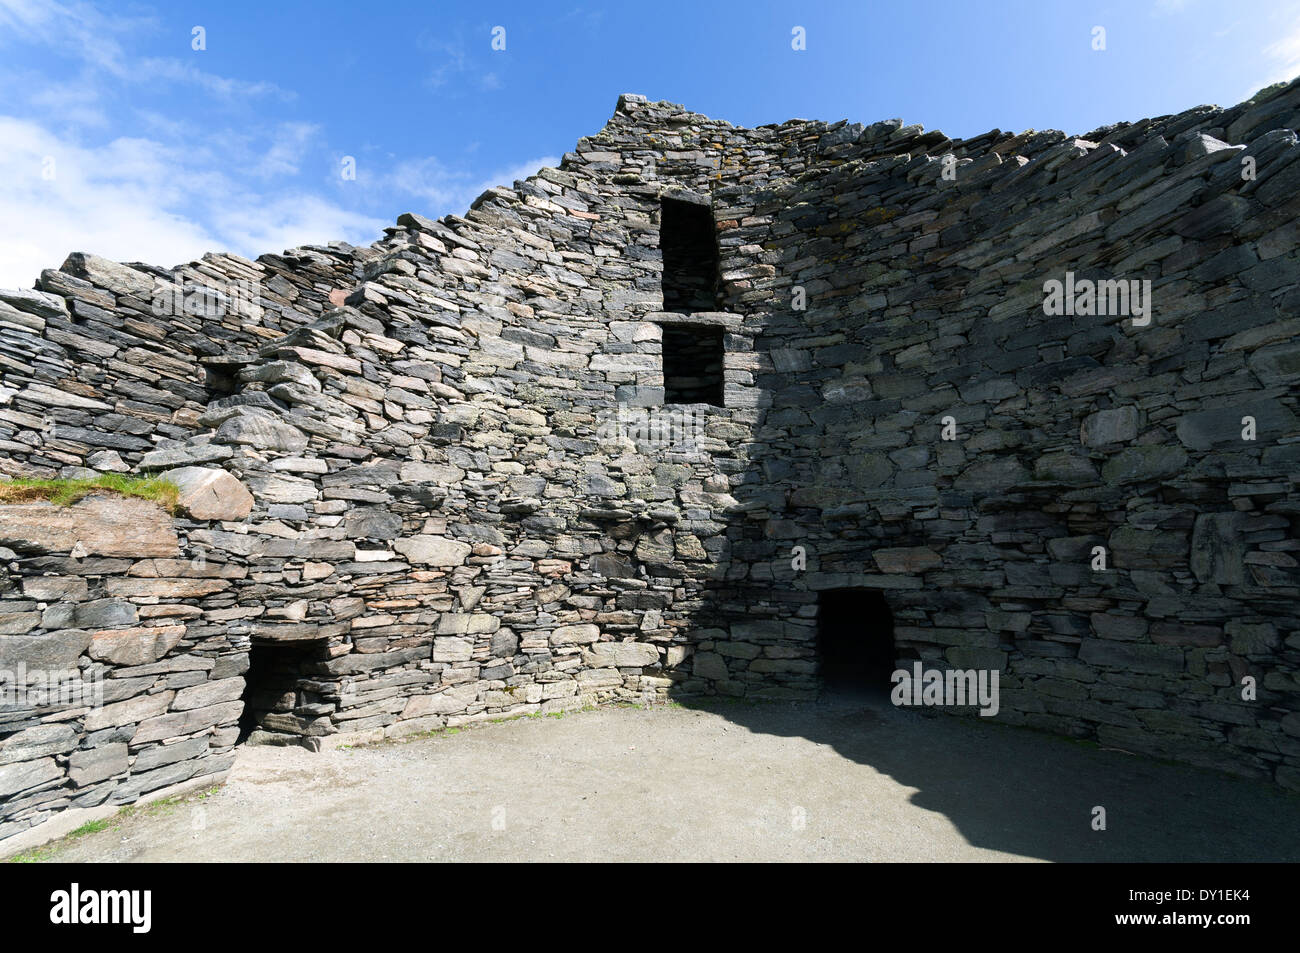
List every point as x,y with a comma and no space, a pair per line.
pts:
119,138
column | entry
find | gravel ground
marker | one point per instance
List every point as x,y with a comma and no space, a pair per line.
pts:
849,780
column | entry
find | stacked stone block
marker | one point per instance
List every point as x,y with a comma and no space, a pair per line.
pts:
405,477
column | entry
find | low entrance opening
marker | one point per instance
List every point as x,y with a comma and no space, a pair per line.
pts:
273,684
692,364
689,244
219,376
855,641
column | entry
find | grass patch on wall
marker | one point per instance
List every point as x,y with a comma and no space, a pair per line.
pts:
67,492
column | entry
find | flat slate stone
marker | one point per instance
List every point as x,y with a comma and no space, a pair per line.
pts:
433,550
99,525
207,493
24,775
97,764
51,651
1222,427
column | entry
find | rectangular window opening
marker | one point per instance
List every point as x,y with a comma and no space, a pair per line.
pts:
693,364
688,242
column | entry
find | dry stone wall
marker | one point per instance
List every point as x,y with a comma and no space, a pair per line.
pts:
434,480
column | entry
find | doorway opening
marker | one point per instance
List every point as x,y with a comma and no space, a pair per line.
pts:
855,641
688,242
276,697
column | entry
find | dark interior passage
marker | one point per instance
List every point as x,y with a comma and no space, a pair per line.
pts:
693,365
273,682
855,640
689,246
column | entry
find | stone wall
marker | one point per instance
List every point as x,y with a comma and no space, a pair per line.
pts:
127,690
468,500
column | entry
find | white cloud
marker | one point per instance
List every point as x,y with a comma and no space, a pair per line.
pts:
448,190
453,62
154,69
87,167
1286,52
172,189
79,29
75,102
453,59
273,223
1282,57
83,32
136,199
288,149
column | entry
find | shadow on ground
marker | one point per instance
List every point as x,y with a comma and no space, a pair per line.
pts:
1023,792
848,779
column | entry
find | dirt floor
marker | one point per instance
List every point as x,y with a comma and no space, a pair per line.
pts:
841,780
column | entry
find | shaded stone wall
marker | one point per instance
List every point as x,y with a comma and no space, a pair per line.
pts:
467,499
1072,431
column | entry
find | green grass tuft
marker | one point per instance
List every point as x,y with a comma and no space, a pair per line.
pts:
67,492
50,851
91,827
